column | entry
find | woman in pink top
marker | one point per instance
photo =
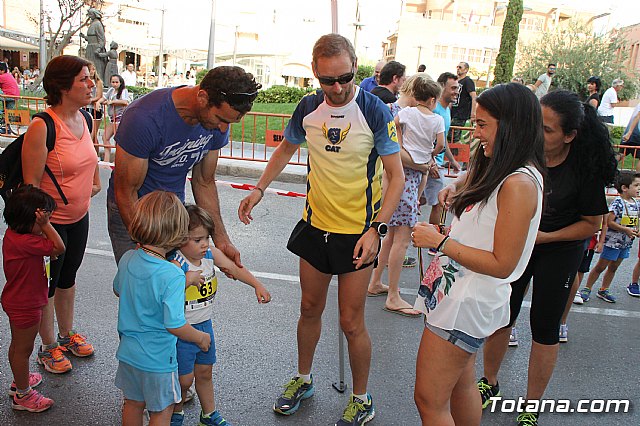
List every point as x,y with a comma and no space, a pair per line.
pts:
74,163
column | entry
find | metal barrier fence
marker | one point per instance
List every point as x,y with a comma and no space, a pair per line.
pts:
256,137
16,113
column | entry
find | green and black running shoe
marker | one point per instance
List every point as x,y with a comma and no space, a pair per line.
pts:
294,392
487,391
357,413
527,419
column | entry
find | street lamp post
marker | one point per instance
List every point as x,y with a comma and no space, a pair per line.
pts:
42,59
211,57
161,52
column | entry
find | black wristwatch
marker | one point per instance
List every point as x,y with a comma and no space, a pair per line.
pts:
381,228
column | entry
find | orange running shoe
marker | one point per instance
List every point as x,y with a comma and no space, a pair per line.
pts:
54,361
76,343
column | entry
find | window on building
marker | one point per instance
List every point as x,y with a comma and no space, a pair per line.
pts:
459,53
440,52
531,24
475,55
486,56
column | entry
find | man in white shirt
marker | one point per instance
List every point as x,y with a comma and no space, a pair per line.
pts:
609,101
544,81
129,75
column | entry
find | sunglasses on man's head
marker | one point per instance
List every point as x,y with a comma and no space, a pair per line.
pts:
239,98
342,79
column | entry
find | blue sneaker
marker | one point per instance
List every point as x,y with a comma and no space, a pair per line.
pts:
358,412
294,391
585,293
177,418
606,296
215,419
633,289
563,336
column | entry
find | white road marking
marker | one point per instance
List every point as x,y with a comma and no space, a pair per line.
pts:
412,292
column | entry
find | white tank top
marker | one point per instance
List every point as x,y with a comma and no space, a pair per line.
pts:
460,299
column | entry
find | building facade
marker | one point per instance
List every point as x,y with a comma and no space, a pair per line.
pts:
442,33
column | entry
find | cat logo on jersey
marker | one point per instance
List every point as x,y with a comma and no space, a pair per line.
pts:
335,135
391,130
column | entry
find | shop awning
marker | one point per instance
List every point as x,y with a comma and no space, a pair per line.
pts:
11,44
296,70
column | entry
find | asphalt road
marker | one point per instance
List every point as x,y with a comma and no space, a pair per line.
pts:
257,349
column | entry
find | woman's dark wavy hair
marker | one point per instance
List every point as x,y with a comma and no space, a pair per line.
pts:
59,75
21,205
121,87
519,142
592,145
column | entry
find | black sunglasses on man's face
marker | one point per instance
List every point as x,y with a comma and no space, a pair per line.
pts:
342,79
238,98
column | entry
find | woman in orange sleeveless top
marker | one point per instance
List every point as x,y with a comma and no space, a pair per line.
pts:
74,164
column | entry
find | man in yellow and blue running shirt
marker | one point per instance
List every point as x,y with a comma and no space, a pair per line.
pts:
350,135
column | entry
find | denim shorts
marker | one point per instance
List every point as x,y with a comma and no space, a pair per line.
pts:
609,253
460,339
434,186
156,390
190,354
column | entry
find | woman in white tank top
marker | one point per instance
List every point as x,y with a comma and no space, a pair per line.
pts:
465,294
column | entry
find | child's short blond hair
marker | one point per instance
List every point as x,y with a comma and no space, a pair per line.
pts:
421,87
160,219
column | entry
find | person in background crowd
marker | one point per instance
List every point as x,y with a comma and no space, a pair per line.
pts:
392,76
593,87
9,86
94,107
129,75
420,127
75,165
609,101
422,68
372,82
463,107
543,82
115,101
622,229
435,183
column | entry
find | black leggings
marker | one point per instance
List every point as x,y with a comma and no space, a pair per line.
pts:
553,268
65,267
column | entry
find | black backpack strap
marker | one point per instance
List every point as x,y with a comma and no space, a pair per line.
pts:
89,119
51,143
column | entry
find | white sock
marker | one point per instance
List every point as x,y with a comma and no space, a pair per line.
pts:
305,377
364,397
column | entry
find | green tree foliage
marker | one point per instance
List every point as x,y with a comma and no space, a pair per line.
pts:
579,54
508,42
200,75
363,72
